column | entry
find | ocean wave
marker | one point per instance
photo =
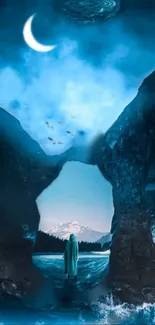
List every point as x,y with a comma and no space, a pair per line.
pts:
123,314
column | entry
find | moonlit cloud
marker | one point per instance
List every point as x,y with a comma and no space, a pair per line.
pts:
93,74
55,89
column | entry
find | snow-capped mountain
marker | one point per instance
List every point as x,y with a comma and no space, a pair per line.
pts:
82,233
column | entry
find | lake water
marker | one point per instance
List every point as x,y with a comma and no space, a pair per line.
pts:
90,268
76,310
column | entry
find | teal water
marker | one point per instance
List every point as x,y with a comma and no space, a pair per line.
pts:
77,310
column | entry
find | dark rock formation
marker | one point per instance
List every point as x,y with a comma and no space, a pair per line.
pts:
126,157
25,171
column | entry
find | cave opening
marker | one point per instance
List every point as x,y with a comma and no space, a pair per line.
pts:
79,196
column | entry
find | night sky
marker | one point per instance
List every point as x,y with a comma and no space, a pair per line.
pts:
84,84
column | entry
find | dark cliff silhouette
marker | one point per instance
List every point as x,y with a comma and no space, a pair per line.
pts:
25,171
125,156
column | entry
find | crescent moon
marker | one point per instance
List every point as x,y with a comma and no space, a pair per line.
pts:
30,40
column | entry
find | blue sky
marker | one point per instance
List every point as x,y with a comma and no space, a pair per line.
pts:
79,194
94,72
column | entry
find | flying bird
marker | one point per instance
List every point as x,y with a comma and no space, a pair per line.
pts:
49,125
54,141
49,138
71,133
59,142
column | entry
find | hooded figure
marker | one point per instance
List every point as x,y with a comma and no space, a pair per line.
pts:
71,257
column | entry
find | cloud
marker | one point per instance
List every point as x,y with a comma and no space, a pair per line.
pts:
66,88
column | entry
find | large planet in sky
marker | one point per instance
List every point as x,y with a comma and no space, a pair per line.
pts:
86,11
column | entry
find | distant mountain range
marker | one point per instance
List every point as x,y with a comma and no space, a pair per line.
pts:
82,233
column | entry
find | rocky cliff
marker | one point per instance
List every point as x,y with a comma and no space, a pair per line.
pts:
25,171
126,157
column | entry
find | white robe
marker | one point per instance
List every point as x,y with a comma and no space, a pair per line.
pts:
71,257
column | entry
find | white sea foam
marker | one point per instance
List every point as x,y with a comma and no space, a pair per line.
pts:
110,313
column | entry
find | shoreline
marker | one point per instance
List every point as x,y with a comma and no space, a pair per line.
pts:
81,254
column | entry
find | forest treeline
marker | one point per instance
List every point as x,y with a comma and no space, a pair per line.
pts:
49,243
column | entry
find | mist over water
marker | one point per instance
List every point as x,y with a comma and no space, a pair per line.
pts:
84,84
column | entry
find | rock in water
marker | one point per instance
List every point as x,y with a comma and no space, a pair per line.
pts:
126,157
